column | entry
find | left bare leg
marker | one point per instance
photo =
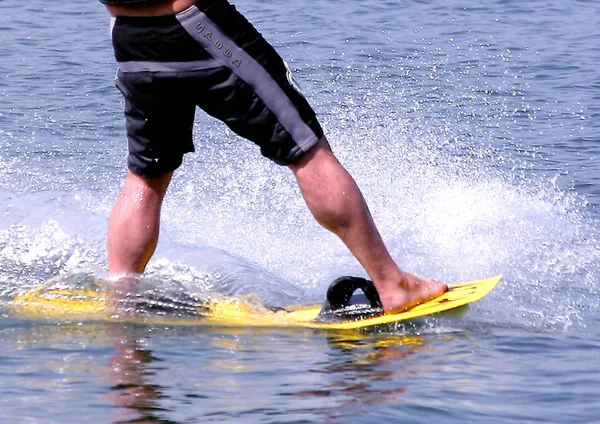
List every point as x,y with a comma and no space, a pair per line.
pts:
134,223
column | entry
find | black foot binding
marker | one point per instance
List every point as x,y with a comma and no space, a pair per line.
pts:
343,304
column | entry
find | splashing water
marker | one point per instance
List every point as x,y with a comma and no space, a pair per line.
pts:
428,134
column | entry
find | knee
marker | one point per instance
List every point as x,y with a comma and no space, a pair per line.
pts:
144,192
156,185
316,160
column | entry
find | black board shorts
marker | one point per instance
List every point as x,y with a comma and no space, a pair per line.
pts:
208,56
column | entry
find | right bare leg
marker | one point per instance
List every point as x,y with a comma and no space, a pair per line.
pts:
337,204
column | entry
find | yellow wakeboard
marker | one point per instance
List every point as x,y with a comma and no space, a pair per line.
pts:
91,304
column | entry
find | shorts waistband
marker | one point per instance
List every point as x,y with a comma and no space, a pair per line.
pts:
201,5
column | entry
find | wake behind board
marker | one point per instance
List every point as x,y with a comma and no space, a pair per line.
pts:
342,310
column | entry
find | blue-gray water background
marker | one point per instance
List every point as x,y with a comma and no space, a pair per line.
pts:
473,130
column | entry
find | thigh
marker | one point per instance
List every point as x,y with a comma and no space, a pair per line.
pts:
156,57
159,123
253,93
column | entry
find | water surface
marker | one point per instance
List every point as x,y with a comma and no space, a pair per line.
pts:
473,132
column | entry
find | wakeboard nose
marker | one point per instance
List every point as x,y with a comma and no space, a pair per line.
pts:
350,299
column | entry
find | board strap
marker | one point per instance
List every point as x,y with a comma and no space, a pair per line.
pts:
342,304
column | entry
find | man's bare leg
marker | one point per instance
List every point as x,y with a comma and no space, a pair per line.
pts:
337,204
134,223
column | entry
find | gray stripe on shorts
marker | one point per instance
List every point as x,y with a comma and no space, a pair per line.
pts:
143,66
222,48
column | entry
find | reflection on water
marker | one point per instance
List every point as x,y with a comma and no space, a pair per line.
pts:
366,363
138,373
131,376
77,353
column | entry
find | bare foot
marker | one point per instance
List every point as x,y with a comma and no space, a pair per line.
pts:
119,290
410,292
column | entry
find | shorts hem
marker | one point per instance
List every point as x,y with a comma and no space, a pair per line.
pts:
297,152
153,172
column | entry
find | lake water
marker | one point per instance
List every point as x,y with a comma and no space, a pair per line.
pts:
473,130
